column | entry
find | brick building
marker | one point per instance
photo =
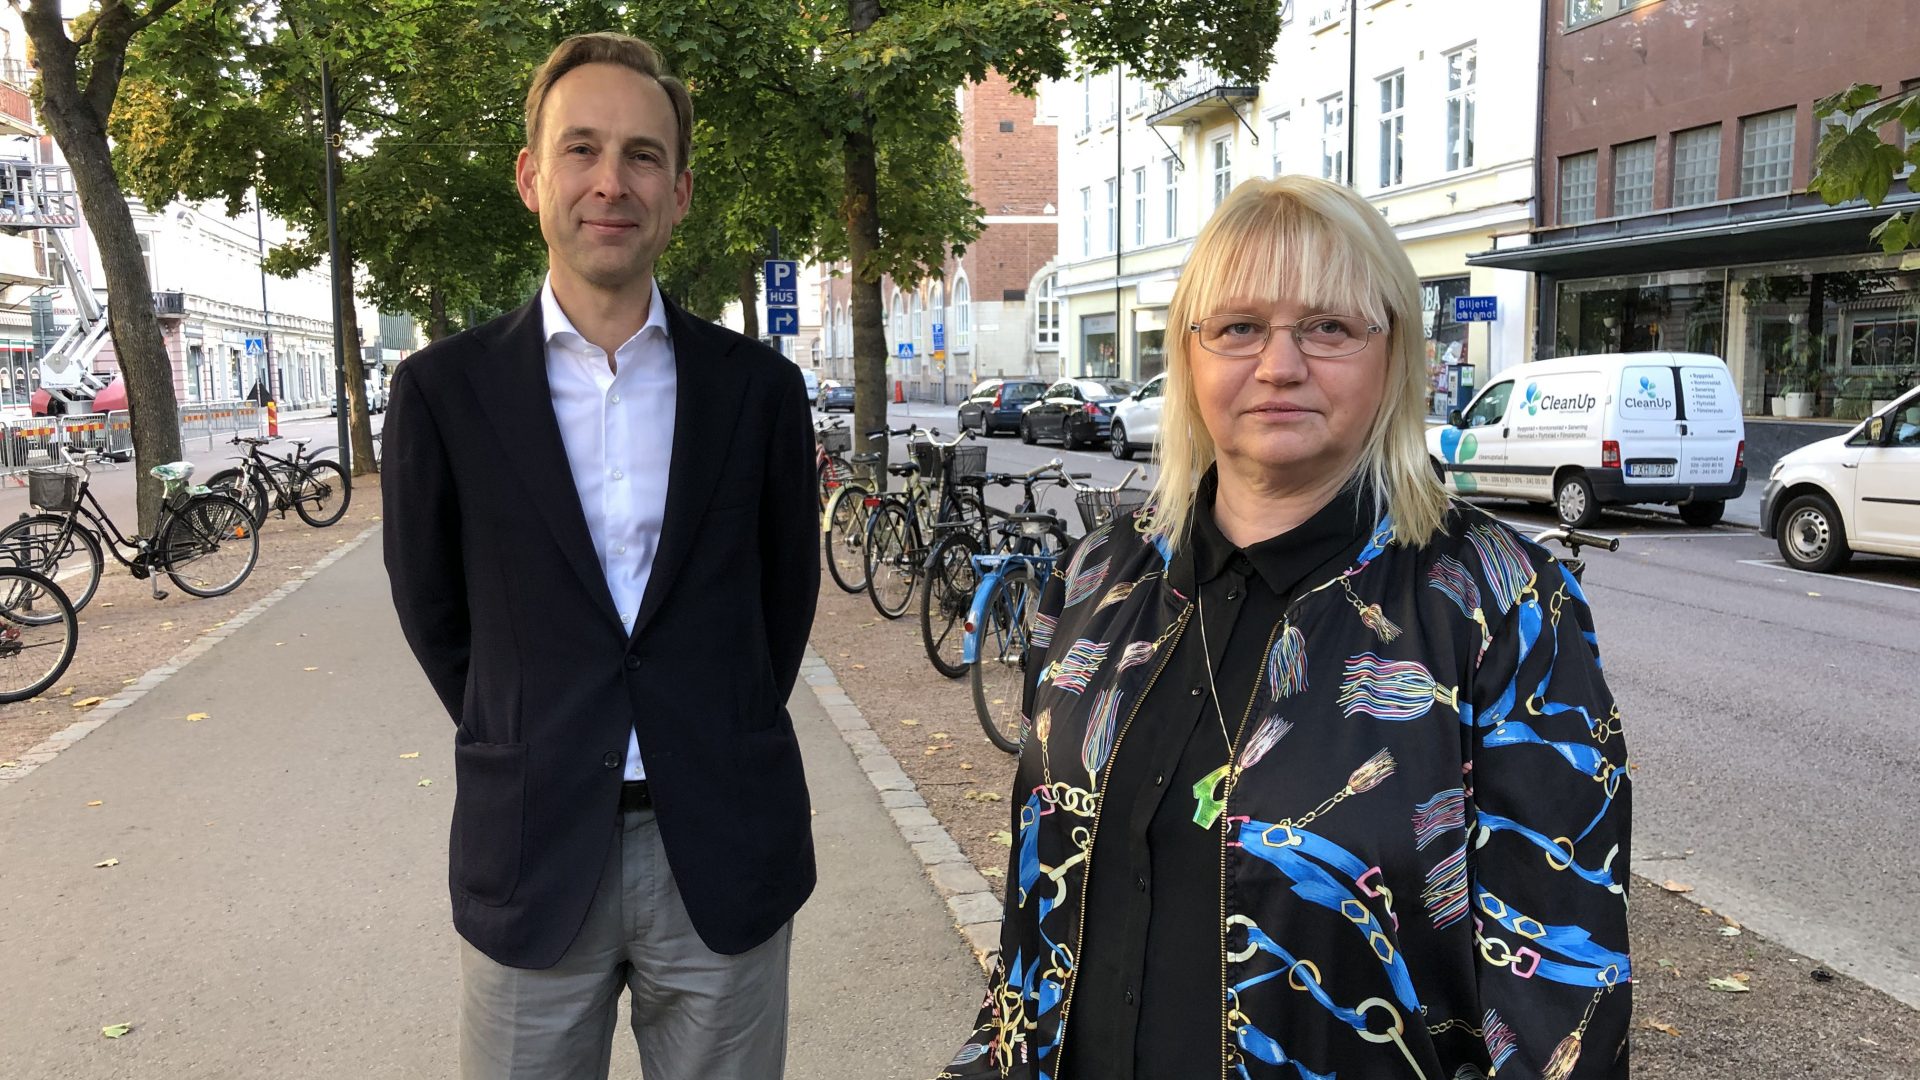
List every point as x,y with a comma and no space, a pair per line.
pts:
991,305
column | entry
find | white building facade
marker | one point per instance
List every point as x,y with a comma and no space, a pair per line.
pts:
1443,106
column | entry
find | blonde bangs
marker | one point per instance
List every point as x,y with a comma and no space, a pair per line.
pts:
1299,239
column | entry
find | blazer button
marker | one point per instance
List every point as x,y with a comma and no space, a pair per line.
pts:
633,663
611,760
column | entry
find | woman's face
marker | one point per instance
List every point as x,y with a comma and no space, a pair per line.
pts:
1293,420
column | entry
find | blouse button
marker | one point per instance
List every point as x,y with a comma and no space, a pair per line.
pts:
1195,691
1233,594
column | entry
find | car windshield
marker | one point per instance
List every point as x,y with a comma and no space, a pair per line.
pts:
1104,388
1024,391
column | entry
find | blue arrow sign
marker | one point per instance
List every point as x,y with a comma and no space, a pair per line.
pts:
783,321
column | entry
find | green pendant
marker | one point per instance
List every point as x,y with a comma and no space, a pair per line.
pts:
1208,804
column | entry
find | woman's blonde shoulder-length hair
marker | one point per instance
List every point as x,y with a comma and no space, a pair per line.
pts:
1306,240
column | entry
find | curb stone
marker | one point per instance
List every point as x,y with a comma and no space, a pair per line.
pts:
45,750
970,900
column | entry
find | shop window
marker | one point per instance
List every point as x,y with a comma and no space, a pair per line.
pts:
1696,166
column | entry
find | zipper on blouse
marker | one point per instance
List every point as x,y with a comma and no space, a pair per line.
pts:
1093,834
1226,799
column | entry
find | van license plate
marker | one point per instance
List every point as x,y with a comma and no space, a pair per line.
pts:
1647,468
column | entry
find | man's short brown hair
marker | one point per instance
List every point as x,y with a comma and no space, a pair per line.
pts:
610,48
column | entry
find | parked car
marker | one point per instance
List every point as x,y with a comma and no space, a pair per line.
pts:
996,404
1074,411
1136,421
835,395
1583,432
1854,492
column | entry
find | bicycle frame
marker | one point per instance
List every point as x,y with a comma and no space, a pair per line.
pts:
991,569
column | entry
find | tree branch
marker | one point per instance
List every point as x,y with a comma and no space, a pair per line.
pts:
159,8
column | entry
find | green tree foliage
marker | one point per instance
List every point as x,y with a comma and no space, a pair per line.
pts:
1855,159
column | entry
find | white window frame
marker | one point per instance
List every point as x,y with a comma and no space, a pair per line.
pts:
1171,172
1393,129
1140,207
1046,308
1220,166
899,319
1582,184
1691,150
1333,138
1766,162
917,314
1086,222
1277,130
1638,155
960,333
1463,79
1113,215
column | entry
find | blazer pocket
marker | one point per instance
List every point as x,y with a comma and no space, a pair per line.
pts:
489,817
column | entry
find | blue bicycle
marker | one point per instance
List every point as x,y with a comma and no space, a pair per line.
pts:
1000,625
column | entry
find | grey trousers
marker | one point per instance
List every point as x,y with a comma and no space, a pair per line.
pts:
696,1014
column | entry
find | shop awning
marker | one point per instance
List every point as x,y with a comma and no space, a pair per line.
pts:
1696,238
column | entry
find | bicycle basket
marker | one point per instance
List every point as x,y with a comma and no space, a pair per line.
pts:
53,489
926,457
965,461
836,440
1097,507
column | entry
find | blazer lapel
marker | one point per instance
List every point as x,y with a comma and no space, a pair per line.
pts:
705,414
514,393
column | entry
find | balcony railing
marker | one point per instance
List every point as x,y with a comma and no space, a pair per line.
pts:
16,108
170,305
1202,90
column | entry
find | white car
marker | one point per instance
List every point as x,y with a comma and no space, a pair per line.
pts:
813,383
1136,421
1854,492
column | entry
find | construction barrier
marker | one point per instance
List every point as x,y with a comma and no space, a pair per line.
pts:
120,434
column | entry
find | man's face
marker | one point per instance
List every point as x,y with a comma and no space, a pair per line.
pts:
603,178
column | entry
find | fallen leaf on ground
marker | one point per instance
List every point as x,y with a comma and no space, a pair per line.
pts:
931,750
1665,963
1729,931
88,703
166,626
968,765
1821,975
279,643
105,863
9,764
68,692
939,735
424,783
1729,986
1003,838
96,802
1675,886
1813,594
196,717
114,1031
992,871
310,669
844,655
859,667
983,796
107,604
128,682
1666,1029
909,723
415,754
1741,976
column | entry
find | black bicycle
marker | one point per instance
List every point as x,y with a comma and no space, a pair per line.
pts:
38,632
317,489
205,541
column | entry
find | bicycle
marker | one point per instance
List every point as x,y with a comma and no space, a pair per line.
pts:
205,541
1001,624
39,631
951,579
903,527
832,440
302,484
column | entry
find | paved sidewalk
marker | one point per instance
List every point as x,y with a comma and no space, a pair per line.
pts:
279,905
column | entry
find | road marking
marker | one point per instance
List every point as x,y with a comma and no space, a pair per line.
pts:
1776,564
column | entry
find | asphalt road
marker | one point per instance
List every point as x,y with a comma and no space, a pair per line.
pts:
1769,713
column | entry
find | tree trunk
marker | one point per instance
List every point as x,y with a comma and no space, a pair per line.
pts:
437,324
860,207
359,423
749,299
80,129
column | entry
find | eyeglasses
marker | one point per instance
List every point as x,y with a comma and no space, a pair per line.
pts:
1323,336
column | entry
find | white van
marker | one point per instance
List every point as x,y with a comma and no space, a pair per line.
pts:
1583,432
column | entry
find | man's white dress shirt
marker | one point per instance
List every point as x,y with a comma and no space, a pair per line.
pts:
617,424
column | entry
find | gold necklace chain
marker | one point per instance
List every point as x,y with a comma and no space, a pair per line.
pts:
1200,601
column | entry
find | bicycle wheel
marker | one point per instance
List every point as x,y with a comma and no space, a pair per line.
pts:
893,559
832,473
247,489
321,492
1000,664
209,546
58,547
38,632
846,537
945,596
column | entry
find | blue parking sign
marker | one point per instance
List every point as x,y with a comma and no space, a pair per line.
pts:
1476,308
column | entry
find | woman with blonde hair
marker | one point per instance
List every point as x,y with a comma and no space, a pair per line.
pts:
1322,776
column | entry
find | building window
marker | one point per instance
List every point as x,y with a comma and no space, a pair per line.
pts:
146,257
1220,152
1393,129
1585,11
962,330
1046,323
899,319
1463,74
1579,181
1171,167
1277,140
1140,207
1766,153
1333,138
1633,178
1112,214
937,310
1086,221
1696,166
1086,102
919,321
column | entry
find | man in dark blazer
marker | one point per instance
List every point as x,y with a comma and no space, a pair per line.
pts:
600,530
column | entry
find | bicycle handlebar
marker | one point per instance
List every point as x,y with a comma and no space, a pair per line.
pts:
1574,539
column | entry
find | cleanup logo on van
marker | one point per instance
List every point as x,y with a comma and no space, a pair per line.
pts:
1649,398
1535,401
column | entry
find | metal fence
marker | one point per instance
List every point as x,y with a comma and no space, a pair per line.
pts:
35,442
